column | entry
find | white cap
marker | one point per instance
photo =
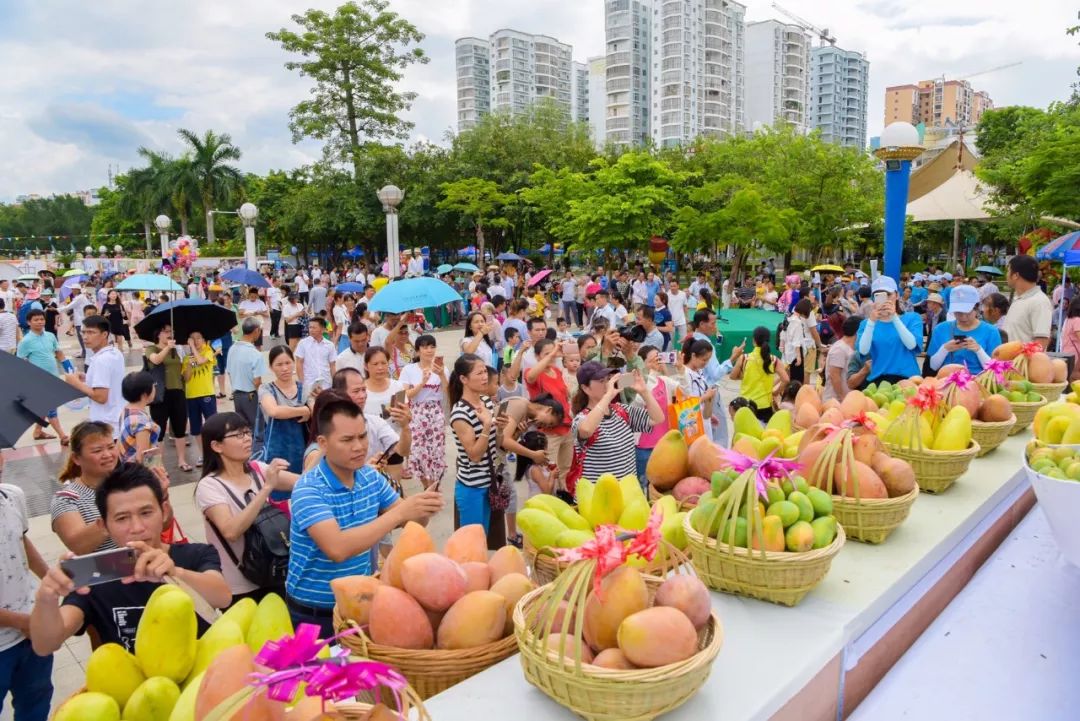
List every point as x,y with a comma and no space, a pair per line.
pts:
883,282
947,276
963,299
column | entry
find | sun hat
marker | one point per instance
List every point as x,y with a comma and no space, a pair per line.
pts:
935,298
883,282
963,299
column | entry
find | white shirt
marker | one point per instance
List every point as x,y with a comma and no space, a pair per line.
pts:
17,590
412,374
273,294
376,400
317,356
77,306
301,283
381,435
677,305
316,273
416,266
620,315
290,309
107,371
607,312
569,290
252,307
9,324
638,292
341,318
379,336
348,358
9,298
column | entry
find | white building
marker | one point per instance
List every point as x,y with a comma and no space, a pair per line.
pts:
579,92
697,69
777,74
626,29
839,94
597,99
473,59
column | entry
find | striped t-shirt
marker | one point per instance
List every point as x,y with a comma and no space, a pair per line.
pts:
75,497
474,474
320,496
614,450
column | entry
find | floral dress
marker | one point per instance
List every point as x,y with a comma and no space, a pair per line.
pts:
427,459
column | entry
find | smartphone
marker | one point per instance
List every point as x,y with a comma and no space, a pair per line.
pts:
100,567
503,405
384,413
625,381
881,296
667,357
440,360
152,457
398,399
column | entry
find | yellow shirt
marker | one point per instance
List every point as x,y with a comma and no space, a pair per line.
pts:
756,384
201,382
541,304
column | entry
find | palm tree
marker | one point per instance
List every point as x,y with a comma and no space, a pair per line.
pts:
214,179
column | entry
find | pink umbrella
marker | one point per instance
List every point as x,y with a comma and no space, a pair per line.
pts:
539,277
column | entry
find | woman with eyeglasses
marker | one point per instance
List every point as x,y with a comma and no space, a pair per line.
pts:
231,493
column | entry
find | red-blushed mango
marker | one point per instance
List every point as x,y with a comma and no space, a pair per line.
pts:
690,489
853,404
704,458
414,540
467,544
353,596
506,560
657,636
512,587
622,593
614,659
806,415
477,576
898,477
864,446
227,674
860,477
669,461
569,650
563,620
398,620
477,619
1061,370
1008,351
1040,369
688,594
433,580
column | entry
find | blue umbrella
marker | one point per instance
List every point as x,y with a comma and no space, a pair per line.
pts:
466,266
508,256
350,287
151,282
444,269
111,274
243,276
412,293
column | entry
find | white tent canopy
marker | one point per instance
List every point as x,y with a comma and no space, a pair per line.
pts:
961,197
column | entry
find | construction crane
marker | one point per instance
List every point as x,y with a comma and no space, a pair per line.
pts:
990,70
822,33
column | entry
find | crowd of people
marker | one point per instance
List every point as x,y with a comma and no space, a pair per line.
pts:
342,419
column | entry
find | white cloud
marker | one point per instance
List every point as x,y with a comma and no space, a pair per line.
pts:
83,77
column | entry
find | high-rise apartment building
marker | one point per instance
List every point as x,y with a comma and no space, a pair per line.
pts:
839,94
473,60
626,29
777,74
511,70
697,69
598,99
937,103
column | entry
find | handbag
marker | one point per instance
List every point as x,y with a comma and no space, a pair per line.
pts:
685,415
499,491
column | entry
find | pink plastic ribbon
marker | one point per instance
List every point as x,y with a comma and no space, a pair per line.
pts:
647,542
927,398
962,379
1031,348
606,548
862,419
998,368
765,470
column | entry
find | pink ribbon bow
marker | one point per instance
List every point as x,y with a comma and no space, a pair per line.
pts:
998,368
962,379
765,470
610,550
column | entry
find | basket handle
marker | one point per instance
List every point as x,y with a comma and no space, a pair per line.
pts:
360,636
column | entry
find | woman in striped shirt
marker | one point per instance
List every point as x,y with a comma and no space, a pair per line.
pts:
75,516
472,419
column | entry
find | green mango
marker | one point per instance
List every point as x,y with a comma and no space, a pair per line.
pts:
821,501
806,508
735,532
824,531
774,494
746,422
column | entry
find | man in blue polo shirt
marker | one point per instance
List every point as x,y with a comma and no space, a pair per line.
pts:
340,511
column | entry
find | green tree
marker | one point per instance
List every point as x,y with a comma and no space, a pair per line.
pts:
356,57
477,201
216,180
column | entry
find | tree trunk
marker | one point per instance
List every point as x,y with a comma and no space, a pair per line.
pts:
183,224
479,245
350,115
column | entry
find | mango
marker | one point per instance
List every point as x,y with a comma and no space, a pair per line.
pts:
746,422
657,636
622,593
512,587
552,504
773,531
824,529
477,576
167,624
155,698
954,433
786,511
735,532
242,612
720,482
227,674
573,520
222,634
583,494
668,463
780,421
614,659
434,580
505,561
88,706
631,490
606,506
353,595
477,619
806,508
539,527
1072,433
113,671
635,516
688,594
566,647
466,544
414,539
668,506
184,709
572,538
674,532
800,537
820,501
747,445
705,457
398,620
806,415
701,516
270,623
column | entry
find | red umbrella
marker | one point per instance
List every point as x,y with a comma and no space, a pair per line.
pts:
538,277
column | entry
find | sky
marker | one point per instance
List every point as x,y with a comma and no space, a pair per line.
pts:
85,84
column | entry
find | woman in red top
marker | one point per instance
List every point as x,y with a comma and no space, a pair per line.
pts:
545,377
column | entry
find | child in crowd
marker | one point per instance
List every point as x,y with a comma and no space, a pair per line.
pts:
737,403
513,342
571,362
509,387
538,477
562,333
787,398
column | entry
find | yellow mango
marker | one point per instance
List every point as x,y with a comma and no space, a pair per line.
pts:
165,639
631,490
673,531
1055,429
549,503
781,421
607,505
746,422
152,701
954,432
222,634
584,494
573,519
271,622
668,506
112,670
572,538
88,706
1072,433
539,527
241,614
635,516
184,709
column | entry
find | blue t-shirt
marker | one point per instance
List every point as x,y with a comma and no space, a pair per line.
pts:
888,356
919,295
39,350
652,287
945,293
987,336
319,496
662,317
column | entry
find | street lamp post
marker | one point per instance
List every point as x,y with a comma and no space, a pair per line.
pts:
899,146
390,196
248,214
162,222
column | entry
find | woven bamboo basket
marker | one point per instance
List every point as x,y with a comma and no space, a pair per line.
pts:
429,671
655,495
601,694
1025,414
782,577
936,470
1050,391
990,435
545,568
871,520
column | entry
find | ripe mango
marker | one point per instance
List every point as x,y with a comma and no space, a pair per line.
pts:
800,537
668,506
673,531
780,421
477,576
954,433
746,422
165,639
773,532
153,700
622,593
434,580
635,516
512,587
607,505
398,620
573,520
657,636
688,594
701,516
113,671
786,511
669,461
184,709
631,490
541,529
614,659
505,561
466,544
824,531
352,595
270,622
414,539
227,674
572,538
477,619
241,614
583,494
221,635
89,706
545,501
806,508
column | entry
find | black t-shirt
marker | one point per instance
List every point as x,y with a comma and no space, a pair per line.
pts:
114,609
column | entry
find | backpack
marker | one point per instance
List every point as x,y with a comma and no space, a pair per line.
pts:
266,542
577,464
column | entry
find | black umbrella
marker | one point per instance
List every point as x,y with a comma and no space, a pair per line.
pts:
27,395
186,317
